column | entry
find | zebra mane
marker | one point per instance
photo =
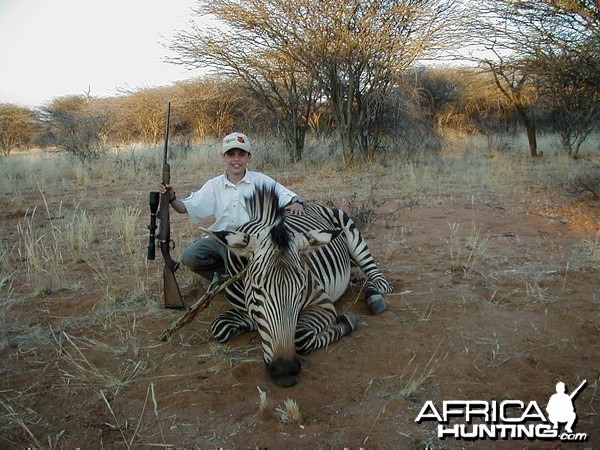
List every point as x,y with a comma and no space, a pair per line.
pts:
263,208
263,205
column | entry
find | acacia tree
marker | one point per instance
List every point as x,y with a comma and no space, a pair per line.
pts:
142,115
463,100
358,51
544,40
77,126
241,46
513,81
200,102
353,50
16,126
214,105
571,94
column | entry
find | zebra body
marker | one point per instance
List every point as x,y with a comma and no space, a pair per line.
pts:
298,266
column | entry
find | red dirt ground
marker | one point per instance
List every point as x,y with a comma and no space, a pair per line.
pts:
77,373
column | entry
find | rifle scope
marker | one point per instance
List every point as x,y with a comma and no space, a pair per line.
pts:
153,202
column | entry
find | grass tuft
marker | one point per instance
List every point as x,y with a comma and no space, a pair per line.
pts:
43,255
290,412
465,258
416,379
263,407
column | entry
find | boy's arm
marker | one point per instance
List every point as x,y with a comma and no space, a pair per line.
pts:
286,196
176,203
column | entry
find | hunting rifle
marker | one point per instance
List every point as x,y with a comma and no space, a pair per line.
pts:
172,294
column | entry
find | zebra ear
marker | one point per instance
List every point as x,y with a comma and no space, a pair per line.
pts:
316,238
238,242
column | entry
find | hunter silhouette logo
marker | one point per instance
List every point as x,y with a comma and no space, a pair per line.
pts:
560,407
507,419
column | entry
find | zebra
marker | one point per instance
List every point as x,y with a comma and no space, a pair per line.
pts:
298,266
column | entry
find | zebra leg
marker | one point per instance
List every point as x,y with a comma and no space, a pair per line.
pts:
376,284
235,321
375,300
230,323
318,326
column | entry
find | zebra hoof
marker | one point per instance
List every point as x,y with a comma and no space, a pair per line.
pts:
349,320
376,304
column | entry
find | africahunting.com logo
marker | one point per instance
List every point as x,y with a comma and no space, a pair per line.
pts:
508,419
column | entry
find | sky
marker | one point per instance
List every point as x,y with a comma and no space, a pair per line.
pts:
52,48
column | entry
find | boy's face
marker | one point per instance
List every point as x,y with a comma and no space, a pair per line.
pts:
236,161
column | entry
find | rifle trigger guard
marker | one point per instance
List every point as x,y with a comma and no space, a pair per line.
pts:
171,244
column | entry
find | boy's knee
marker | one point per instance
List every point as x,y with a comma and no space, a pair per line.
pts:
188,259
202,259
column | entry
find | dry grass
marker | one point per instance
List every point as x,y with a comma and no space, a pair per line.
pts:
93,242
413,381
289,412
125,220
590,249
537,294
223,356
41,250
7,275
263,406
81,232
21,420
80,372
464,258
135,439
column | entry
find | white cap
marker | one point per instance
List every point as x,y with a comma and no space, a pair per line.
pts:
236,140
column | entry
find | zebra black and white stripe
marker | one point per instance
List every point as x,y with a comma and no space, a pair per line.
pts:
298,266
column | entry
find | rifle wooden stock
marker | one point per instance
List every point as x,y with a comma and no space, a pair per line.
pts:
172,294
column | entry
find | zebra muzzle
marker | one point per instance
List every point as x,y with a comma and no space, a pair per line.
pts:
284,371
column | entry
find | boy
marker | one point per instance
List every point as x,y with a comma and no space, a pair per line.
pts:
223,198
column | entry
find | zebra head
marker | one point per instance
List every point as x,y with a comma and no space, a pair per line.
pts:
277,287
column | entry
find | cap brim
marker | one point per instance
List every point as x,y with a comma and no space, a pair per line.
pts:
236,148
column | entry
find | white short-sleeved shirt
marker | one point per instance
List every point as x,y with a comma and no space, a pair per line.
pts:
223,200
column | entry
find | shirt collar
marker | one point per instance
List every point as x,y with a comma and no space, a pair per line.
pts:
247,178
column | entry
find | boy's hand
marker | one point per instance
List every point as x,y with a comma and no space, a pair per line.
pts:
296,209
168,189
177,204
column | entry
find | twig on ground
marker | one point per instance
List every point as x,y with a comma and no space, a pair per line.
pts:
199,306
118,426
375,422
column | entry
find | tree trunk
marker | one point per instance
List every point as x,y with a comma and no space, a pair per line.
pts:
347,149
531,137
530,127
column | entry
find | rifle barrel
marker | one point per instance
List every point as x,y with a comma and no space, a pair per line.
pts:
167,126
